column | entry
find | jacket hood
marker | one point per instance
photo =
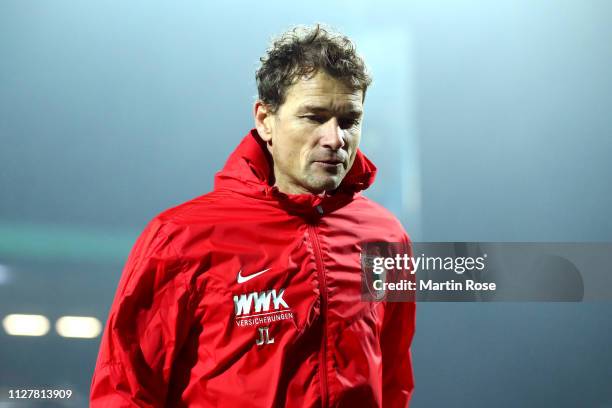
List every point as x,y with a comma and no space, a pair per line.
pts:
249,171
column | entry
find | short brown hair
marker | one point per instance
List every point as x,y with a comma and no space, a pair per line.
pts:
302,51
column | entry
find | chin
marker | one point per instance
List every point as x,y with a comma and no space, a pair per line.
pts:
324,184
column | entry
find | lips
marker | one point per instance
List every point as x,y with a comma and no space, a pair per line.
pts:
330,161
331,165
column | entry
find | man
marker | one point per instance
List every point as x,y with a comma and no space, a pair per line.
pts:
250,296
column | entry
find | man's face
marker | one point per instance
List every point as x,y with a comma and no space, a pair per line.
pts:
314,135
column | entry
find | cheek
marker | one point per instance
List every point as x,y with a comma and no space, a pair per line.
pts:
305,153
287,153
353,144
353,139
297,149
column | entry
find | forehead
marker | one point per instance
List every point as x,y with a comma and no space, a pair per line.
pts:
324,92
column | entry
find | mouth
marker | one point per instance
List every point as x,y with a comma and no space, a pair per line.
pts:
330,161
330,164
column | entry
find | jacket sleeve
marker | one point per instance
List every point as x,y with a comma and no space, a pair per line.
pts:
396,339
148,321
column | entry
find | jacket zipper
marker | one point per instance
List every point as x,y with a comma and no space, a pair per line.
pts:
323,290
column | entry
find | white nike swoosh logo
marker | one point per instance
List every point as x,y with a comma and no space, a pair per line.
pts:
242,279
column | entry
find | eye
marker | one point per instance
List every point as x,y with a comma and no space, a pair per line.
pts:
316,118
347,123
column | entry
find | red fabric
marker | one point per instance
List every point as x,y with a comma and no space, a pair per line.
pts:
179,332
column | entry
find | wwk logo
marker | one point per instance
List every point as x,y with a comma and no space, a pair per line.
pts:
259,302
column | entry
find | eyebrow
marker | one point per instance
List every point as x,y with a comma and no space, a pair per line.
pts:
349,111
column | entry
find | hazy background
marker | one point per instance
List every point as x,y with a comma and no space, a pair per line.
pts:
489,121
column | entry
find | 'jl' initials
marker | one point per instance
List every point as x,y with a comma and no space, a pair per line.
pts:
264,336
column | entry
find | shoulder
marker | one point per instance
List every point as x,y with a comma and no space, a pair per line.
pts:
373,212
199,210
168,233
369,221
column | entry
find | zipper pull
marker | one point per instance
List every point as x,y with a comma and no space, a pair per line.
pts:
319,209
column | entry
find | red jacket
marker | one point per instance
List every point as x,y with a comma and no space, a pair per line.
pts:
247,297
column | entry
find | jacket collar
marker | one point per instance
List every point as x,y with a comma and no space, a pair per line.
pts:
249,171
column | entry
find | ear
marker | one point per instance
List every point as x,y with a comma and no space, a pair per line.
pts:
264,121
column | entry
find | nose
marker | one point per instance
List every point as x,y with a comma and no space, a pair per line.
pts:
333,135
